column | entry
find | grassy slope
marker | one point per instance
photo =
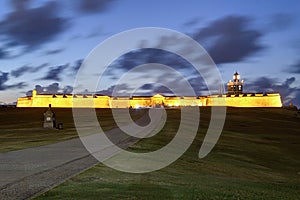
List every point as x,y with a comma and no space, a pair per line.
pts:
257,157
22,128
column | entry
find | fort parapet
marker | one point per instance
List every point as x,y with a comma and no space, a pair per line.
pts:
234,98
246,100
99,101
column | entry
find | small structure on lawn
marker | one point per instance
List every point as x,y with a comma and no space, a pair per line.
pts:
49,118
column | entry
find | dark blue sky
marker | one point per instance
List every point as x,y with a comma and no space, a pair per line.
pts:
42,42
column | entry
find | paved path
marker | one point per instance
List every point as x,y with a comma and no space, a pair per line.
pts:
30,172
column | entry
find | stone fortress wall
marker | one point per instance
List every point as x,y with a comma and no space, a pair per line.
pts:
234,98
98,101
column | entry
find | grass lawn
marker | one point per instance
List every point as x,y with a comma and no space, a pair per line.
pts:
257,157
22,128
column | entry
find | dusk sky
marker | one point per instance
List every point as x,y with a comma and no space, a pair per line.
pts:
42,43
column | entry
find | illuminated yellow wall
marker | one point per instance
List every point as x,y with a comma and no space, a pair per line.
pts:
24,102
182,101
140,102
271,100
64,101
122,102
68,101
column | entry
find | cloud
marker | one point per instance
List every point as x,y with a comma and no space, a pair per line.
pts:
120,90
96,32
159,84
4,79
162,90
54,73
27,69
229,39
3,54
32,27
126,90
147,86
77,65
93,6
67,89
295,68
280,22
192,22
54,51
289,93
261,84
53,88
20,71
148,89
150,55
50,89
266,84
20,5
199,85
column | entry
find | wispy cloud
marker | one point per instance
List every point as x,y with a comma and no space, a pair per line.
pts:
93,6
3,54
54,51
287,91
27,69
53,88
55,73
149,55
4,78
229,39
192,22
32,27
280,22
122,90
294,68
76,66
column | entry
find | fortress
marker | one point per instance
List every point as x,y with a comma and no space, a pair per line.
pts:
234,98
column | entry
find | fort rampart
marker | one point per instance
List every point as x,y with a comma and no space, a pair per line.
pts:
99,101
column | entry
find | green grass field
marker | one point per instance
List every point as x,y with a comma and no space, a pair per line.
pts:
23,127
257,157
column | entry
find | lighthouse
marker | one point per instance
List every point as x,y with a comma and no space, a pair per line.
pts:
235,86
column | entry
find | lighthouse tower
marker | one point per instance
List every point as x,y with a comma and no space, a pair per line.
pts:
235,86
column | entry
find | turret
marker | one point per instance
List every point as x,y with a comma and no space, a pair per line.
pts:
34,93
235,86
236,77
